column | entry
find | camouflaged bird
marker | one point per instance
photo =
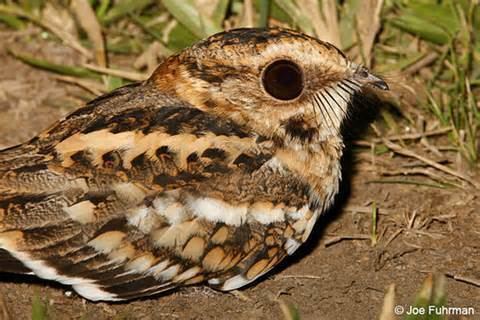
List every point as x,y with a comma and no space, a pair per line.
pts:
211,171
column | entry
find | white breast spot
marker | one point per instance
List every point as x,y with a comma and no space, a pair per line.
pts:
267,215
175,213
218,211
296,214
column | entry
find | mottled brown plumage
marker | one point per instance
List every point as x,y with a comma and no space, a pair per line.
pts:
213,170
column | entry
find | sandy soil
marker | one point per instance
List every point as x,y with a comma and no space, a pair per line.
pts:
344,280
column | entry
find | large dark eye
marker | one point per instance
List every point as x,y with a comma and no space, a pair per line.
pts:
283,80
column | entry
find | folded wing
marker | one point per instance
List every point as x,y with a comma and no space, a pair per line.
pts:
136,193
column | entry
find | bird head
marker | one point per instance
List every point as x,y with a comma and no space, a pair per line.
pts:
277,82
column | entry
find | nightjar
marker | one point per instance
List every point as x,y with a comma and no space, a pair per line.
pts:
212,171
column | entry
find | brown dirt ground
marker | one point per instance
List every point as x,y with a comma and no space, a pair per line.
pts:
345,280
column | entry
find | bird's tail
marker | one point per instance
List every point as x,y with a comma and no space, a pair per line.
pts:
22,175
11,265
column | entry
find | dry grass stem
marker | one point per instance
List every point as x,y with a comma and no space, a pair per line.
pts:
88,21
46,21
240,295
298,276
94,87
4,313
324,23
422,63
388,304
408,153
368,25
469,280
129,75
415,171
151,57
406,136
248,14
367,209
424,141
336,239
50,20
206,7
392,237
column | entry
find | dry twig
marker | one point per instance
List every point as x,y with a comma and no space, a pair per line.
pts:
366,209
45,22
425,61
337,239
408,153
407,136
368,25
129,75
324,23
91,86
475,282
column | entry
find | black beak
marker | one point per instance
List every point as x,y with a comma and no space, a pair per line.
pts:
365,77
377,82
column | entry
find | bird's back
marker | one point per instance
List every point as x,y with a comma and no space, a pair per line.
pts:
134,194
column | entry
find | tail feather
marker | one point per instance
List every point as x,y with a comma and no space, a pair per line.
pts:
11,265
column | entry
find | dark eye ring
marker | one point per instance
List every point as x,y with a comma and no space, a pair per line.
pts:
283,80
363,73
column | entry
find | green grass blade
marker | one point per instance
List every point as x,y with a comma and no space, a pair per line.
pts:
31,5
430,297
57,68
114,83
151,31
188,15
220,11
443,16
180,37
102,9
290,311
12,21
123,8
289,7
347,22
39,308
421,28
264,10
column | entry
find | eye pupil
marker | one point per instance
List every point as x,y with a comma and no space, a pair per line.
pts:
363,73
283,80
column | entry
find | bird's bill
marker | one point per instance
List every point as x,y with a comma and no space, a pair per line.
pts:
376,81
365,77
